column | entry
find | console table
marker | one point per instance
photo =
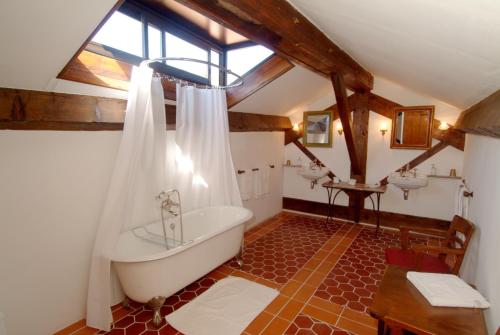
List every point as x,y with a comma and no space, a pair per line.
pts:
364,189
397,299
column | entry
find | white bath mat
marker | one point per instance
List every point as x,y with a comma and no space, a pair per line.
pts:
226,308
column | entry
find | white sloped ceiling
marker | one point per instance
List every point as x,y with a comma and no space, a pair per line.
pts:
38,38
448,49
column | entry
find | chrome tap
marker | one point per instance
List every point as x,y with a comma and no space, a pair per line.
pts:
314,164
168,204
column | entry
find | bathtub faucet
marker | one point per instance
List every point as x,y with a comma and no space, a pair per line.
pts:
168,204
174,208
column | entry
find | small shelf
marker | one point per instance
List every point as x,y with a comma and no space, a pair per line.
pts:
292,165
443,176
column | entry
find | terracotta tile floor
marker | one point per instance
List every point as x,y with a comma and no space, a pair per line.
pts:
355,278
326,275
279,254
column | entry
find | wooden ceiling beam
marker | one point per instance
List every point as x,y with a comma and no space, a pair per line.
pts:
36,110
483,118
279,26
345,117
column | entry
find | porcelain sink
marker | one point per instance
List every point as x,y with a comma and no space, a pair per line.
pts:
314,174
407,182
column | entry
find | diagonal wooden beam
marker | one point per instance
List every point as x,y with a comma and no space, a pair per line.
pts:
312,157
265,73
419,159
279,26
345,117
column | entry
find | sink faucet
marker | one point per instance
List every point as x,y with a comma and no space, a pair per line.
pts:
314,164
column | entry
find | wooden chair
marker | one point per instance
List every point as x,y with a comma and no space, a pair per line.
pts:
417,257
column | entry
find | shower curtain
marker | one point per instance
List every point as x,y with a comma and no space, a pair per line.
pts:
201,160
139,175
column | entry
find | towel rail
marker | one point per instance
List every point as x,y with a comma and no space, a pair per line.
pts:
467,194
254,169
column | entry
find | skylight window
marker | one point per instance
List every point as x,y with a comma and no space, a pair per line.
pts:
133,33
179,48
154,42
121,32
242,60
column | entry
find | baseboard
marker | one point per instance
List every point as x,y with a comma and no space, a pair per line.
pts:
387,219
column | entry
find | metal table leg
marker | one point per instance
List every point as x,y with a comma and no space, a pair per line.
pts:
329,190
332,206
376,210
378,213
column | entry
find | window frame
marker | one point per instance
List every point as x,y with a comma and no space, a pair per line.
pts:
147,17
242,45
164,24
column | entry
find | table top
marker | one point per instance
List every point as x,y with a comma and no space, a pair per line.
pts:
357,187
398,298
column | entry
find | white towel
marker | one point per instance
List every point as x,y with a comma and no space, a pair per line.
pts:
461,202
257,183
245,184
446,290
266,179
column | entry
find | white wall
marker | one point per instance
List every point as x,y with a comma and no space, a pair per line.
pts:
481,265
436,200
256,149
52,188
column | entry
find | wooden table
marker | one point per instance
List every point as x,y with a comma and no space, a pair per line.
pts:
364,189
400,300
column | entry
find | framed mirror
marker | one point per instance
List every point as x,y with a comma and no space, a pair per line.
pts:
318,129
412,127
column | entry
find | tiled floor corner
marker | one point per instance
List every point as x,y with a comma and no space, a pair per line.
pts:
326,274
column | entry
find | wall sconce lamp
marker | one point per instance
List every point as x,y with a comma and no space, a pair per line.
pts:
295,127
339,128
383,128
443,126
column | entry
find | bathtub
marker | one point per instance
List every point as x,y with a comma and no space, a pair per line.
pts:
212,236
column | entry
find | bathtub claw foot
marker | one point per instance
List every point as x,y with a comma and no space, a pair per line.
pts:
155,304
126,303
239,258
240,263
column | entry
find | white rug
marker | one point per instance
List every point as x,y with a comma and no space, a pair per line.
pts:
226,308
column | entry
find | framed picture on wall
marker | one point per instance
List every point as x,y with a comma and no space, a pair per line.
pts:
318,129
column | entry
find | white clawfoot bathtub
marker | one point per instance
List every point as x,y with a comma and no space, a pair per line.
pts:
212,236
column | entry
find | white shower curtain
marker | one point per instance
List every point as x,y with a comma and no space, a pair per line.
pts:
138,177
204,170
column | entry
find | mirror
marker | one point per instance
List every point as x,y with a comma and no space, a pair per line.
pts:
412,127
317,129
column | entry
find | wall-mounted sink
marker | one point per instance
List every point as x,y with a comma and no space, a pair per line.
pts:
407,181
313,174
